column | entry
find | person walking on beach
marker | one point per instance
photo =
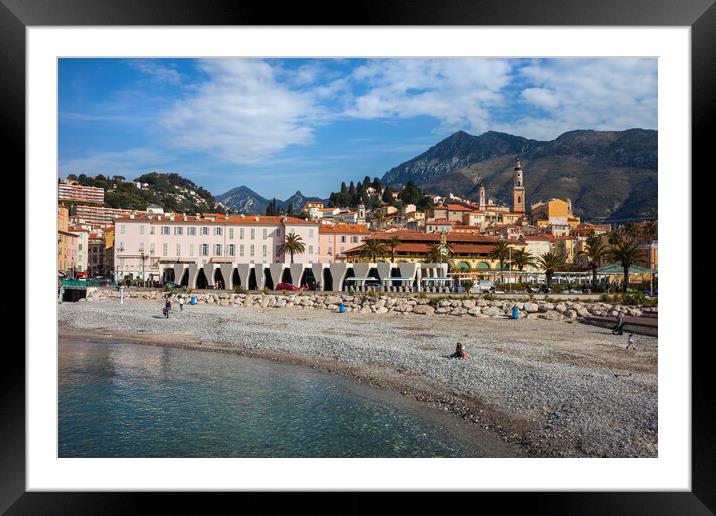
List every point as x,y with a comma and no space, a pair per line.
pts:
181,303
630,342
619,328
167,307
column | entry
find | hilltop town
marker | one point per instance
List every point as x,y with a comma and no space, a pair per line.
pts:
527,241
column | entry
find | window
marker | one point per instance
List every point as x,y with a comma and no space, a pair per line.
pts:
151,230
191,231
343,239
178,230
204,250
252,249
151,248
217,249
253,233
121,246
191,249
241,250
231,233
204,230
141,229
232,250
178,249
310,233
165,230
80,247
354,239
141,247
278,232
123,228
263,250
165,249
241,233
310,249
218,230
265,233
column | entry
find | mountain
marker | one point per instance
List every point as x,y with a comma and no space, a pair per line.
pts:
243,199
170,191
606,174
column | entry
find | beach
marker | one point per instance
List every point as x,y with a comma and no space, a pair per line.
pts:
557,388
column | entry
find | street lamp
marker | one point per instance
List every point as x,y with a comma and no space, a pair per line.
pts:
143,257
120,249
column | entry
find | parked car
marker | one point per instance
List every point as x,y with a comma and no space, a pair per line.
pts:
286,286
544,289
374,284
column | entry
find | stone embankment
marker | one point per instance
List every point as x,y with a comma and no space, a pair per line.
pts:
463,307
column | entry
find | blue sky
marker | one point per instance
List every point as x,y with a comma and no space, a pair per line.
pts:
281,125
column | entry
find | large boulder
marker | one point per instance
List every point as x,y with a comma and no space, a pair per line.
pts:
552,315
492,311
531,308
423,309
333,300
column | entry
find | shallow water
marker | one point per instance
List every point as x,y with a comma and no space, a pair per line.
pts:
119,399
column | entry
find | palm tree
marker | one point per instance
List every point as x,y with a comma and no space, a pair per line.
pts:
627,253
501,253
292,245
391,244
373,249
521,258
595,252
439,253
549,263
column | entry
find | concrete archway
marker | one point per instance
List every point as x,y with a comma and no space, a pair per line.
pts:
201,281
219,279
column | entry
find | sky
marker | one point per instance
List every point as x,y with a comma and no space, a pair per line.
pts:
281,125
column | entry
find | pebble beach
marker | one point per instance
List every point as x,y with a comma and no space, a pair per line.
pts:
557,388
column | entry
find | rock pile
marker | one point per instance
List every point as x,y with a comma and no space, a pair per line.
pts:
478,308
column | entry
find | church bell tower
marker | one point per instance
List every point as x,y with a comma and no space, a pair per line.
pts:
518,190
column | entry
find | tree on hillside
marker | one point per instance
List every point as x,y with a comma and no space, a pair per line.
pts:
289,210
388,195
377,184
292,245
410,194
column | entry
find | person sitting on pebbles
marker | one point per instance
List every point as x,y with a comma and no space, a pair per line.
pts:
459,352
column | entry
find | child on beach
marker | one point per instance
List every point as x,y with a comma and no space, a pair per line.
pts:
167,308
630,342
459,352
181,303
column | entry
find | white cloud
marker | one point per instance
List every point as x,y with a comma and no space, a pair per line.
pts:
156,70
601,94
241,113
458,92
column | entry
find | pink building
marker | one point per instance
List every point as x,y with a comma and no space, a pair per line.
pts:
147,244
336,239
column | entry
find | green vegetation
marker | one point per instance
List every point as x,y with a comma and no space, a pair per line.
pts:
292,245
355,194
170,191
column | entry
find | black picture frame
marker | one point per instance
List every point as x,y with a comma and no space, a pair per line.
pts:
700,15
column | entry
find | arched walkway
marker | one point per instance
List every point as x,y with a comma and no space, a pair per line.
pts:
236,279
185,278
286,276
201,281
268,279
307,278
219,279
327,279
168,274
252,279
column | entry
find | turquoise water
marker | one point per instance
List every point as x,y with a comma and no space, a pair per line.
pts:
129,400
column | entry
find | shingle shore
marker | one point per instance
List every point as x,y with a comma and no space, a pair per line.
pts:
558,388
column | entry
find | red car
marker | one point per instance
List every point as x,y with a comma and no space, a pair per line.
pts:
286,286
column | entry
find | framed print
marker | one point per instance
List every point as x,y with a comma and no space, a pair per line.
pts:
415,252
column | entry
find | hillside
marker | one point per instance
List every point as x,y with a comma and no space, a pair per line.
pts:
170,191
605,173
